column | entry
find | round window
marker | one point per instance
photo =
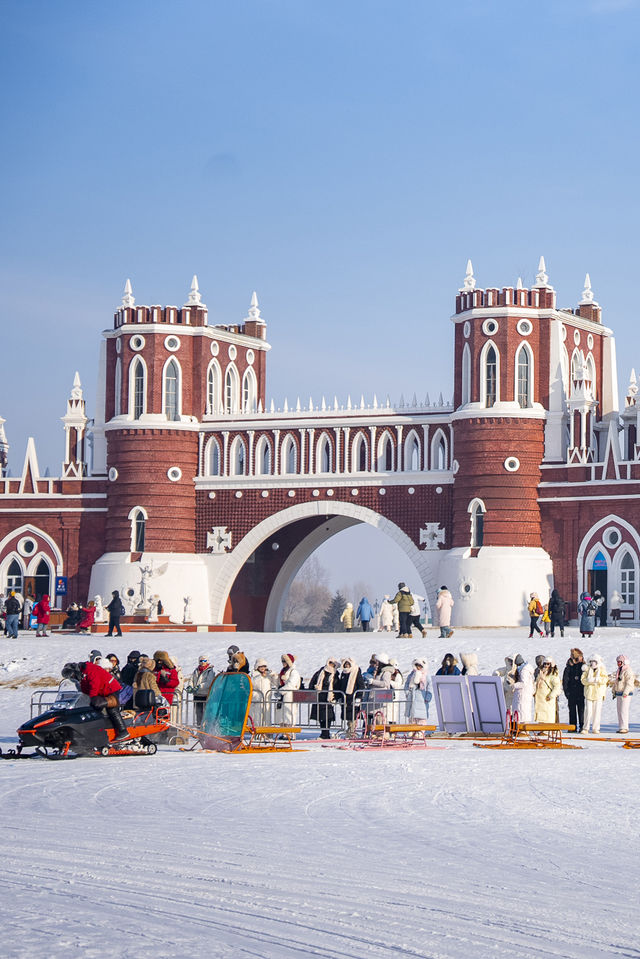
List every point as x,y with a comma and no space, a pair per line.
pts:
524,327
264,493
232,352
466,329
382,492
27,546
590,341
215,348
174,473
411,491
136,342
354,492
329,492
291,493
172,343
489,327
250,357
512,464
576,337
113,474
612,537
118,345
467,587
564,331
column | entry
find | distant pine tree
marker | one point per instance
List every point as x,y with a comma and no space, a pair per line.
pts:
331,619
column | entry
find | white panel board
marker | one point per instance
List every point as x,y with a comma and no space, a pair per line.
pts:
451,694
487,699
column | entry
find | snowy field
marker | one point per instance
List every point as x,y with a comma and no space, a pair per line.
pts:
452,852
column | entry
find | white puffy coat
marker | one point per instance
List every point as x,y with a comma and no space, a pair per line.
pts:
523,690
444,606
595,682
548,688
291,682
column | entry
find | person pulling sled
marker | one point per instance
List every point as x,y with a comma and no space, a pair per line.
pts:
102,688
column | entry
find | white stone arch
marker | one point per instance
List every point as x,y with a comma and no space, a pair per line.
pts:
238,455
263,446
136,515
29,530
35,561
231,389
525,349
477,512
324,454
386,438
590,372
214,388
249,391
466,376
359,441
137,363
288,456
599,527
8,560
483,371
439,451
412,452
351,513
172,363
209,458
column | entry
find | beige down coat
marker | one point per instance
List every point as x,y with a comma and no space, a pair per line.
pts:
594,680
623,686
548,688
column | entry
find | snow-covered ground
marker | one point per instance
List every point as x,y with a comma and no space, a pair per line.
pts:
451,852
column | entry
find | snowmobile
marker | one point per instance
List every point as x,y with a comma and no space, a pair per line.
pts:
70,730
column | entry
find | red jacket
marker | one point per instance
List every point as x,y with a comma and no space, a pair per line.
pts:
88,617
167,680
42,610
96,681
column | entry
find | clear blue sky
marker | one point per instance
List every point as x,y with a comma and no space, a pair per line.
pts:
342,158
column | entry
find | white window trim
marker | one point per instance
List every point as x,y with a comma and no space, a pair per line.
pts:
216,406
172,359
475,506
207,457
231,374
262,444
250,377
117,388
132,519
135,362
436,440
288,443
356,443
524,347
465,397
233,457
322,439
408,448
385,438
483,373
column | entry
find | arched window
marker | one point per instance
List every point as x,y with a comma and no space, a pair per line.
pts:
359,454
138,519
466,375
524,378
628,579
171,390
289,455
263,456
439,452
490,376
477,512
231,390
323,456
239,457
43,578
412,453
212,458
385,454
213,388
590,373
117,389
249,391
14,576
138,388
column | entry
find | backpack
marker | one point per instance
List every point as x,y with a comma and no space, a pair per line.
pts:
122,609
591,609
539,608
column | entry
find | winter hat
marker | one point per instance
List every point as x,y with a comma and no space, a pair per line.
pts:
202,658
239,661
621,658
539,660
162,658
134,655
146,663
548,661
95,655
348,663
519,660
232,651
104,662
401,585
443,588
288,659
420,663
382,658
393,662
260,662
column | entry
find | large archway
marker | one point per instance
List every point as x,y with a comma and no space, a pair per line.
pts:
259,571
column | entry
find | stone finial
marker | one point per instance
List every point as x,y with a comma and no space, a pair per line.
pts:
194,298
469,279
76,390
632,389
587,293
128,299
519,284
542,280
254,312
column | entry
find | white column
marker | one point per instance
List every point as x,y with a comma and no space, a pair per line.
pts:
372,448
336,464
312,465
276,452
399,450
301,434
250,470
225,452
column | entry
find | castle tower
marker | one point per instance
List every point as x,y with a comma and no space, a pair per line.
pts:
75,424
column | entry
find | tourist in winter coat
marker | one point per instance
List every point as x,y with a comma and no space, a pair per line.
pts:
145,677
556,612
383,679
573,688
595,681
601,607
386,615
540,658
351,684
364,613
42,610
102,689
166,675
347,617
404,601
547,690
469,664
622,684
264,681
587,614
523,689
507,674
444,605
73,617
614,605
88,618
27,607
325,683
449,666
13,610
418,689
200,683
289,681
239,663
116,610
534,608
115,666
415,620
546,619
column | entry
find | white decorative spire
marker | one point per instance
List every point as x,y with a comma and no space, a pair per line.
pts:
519,283
587,293
469,279
633,384
254,312
542,280
194,298
76,390
128,300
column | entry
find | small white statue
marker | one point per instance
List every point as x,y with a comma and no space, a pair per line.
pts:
187,610
99,616
153,608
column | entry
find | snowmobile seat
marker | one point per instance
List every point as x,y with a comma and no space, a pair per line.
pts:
145,699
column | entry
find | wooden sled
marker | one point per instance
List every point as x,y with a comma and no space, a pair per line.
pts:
519,735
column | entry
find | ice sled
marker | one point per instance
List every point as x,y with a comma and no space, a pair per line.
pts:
70,730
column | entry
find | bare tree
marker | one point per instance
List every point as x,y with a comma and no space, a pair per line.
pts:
309,595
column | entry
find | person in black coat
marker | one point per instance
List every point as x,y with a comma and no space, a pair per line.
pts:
351,683
116,610
573,688
556,612
325,681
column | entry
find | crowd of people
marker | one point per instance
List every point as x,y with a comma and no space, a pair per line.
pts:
404,613
591,609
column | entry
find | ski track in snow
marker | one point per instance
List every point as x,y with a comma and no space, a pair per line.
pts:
442,854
